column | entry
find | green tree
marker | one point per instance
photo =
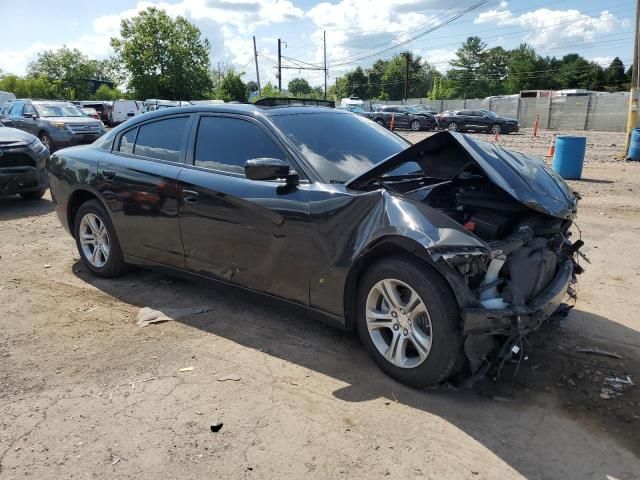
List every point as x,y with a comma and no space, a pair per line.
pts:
299,87
615,76
105,93
442,89
69,71
467,69
231,87
30,87
251,87
164,58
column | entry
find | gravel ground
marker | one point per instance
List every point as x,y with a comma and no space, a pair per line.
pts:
86,393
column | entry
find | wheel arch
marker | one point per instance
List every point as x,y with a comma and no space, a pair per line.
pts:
76,199
381,248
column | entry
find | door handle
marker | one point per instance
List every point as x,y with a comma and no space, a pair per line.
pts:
108,174
189,196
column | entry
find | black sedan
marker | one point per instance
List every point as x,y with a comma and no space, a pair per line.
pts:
22,164
404,117
477,120
440,254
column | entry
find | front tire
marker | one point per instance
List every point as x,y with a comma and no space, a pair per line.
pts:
496,128
381,123
453,127
46,141
97,241
416,126
407,320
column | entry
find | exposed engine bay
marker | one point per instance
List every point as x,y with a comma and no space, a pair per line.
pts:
523,213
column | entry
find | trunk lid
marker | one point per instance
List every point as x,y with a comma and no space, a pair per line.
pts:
444,155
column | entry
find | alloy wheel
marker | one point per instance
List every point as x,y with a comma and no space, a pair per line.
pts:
496,128
453,126
94,240
398,323
46,141
415,125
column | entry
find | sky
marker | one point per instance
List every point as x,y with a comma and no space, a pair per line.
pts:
357,31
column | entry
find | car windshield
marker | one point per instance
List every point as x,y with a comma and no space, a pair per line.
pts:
356,109
489,113
58,110
340,147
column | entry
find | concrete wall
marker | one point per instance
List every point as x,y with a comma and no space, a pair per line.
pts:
606,112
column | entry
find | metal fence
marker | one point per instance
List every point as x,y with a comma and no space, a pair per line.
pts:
606,112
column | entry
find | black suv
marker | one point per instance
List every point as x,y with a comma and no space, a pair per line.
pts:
404,117
22,164
477,120
57,124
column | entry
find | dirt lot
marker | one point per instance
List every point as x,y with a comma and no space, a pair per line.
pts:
86,393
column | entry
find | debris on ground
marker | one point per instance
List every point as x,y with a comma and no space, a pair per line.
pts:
233,378
186,369
597,351
148,316
216,426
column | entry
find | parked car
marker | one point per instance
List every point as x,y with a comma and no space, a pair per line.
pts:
104,109
124,110
442,254
477,120
404,117
22,164
351,101
90,112
57,124
6,97
357,110
423,108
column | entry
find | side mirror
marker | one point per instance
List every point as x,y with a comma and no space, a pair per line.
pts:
32,116
270,169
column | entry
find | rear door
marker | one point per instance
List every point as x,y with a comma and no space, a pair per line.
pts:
247,232
138,181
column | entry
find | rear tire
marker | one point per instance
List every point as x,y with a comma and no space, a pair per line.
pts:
404,325
97,241
416,126
496,128
381,123
37,195
453,127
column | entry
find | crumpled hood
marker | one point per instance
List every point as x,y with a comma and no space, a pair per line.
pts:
444,155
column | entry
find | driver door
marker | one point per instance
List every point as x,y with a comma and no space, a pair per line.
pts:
247,232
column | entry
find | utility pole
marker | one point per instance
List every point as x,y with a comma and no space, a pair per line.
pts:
324,41
280,67
634,100
406,75
255,56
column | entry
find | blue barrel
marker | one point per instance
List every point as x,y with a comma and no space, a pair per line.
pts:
634,146
569,156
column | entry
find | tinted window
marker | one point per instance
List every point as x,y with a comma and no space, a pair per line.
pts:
227,143
28,109
16,110
127,140
341,147
163,139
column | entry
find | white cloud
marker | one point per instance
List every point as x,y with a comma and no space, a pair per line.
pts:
552,28
604,62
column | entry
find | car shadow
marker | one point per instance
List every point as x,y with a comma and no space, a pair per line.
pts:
594,180
14,206
254,321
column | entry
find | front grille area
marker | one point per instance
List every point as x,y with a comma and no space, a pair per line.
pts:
84,128
16,159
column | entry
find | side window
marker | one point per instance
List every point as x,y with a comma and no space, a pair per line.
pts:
225,144
16,111
28,109
163,139
127,140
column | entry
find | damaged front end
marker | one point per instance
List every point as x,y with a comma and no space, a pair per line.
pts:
520,209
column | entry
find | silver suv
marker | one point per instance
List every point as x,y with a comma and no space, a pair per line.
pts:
57,124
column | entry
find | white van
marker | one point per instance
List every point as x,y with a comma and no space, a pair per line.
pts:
351,102
123,110
5,97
